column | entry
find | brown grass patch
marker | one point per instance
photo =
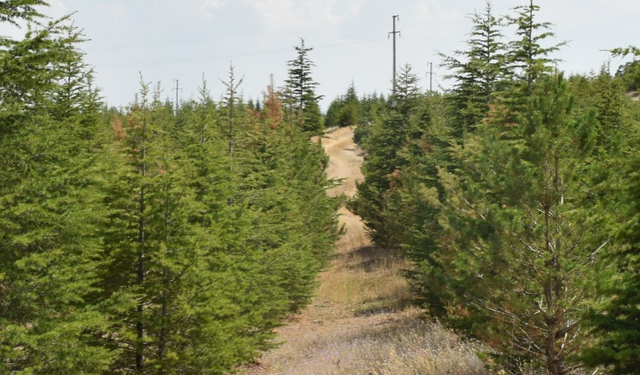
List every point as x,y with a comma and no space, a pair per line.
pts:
401,345
366,280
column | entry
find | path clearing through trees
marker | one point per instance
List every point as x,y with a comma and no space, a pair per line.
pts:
358,322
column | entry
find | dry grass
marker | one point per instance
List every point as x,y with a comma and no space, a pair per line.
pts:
367,280
403,345
360,321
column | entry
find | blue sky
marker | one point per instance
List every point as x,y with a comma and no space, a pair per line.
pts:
167,40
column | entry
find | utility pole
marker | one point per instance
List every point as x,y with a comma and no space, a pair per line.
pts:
394,32
177,89
430,74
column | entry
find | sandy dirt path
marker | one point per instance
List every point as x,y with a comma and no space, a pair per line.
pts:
319,338
359,322
345,159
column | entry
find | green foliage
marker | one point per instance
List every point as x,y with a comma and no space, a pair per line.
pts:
349,110
371,106
11,11
229,240
629,72
617,323
523,239
614,320
154,240
162,240
50,199
505,194
478,72
527,57
403,119
300,99
344,110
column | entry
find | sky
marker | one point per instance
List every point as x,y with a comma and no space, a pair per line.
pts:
188,40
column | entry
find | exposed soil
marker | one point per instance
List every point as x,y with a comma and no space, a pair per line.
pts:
345,159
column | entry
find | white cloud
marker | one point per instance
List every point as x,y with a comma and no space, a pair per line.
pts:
424,10
434,10
287,14
356,5
56,9
621,6
209,7
116,13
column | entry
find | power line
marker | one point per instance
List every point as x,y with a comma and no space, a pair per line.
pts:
226,56
229,37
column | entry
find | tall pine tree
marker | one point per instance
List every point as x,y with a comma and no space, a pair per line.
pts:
50,199
299,96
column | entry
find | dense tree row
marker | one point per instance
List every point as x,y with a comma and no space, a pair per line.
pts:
515,195
156,240
349,110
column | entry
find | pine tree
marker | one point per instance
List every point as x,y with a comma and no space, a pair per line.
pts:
349,114
370,108
520,262
300,98
333,112
12,11
614,321
629,72
383,162
286,179
478,72
527,57
418,202
50,199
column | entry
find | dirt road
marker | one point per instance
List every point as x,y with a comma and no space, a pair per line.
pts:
344,164
319,339
358,322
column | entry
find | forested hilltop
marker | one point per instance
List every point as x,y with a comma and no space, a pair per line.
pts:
158,239
515,195
173,238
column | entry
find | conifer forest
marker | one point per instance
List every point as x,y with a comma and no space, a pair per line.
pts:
174,239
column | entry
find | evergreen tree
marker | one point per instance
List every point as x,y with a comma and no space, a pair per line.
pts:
333,112
286,179
344,110
478,72
629,72
527,57
383,162
350,113
519,262
616,323
370,108
615,320
299,94
50,200
12,11
418,201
